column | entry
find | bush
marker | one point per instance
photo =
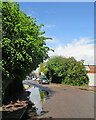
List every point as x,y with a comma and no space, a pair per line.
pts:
66,71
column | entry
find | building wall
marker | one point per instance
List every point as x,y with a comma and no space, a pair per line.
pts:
92,75
92,79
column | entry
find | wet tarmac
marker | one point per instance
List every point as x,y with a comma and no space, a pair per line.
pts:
66,102
38,95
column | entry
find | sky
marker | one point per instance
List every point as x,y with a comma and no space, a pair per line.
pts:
70,24
53,0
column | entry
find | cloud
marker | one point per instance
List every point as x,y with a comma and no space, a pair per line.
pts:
49,26
79,49
52,43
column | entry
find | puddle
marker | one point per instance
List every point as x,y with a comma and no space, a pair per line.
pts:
37,97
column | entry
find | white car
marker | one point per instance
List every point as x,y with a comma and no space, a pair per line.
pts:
33,78
43,80
38,79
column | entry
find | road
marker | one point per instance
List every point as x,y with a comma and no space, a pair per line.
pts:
67,102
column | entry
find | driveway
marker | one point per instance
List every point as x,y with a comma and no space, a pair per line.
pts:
67,102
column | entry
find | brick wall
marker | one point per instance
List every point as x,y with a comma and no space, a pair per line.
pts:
92,75
92,69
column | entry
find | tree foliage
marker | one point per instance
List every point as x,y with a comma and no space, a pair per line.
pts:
23,43
66,71
42,68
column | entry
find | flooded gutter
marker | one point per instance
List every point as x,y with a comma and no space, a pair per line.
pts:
38,94
42,88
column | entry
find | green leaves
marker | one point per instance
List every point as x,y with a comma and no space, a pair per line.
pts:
22,46
66,71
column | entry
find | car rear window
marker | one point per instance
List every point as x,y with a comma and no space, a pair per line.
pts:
44,79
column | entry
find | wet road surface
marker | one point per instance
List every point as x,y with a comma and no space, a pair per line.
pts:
66,102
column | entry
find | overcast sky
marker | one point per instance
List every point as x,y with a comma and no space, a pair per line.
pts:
70,24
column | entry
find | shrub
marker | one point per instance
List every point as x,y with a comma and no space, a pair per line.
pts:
66,71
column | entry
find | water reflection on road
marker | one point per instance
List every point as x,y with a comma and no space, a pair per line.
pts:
33,83
37,97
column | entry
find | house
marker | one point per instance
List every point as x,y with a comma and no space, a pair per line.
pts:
91,72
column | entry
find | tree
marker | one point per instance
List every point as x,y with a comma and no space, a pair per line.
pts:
23,46
42,68
66,71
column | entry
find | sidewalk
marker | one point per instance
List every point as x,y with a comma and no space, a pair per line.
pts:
88,88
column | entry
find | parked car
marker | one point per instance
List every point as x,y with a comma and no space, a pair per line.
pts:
33,78
43,80
28,78
38,79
